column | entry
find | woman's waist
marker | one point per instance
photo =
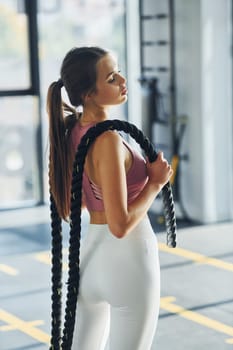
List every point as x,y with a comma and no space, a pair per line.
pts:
99,218
98,226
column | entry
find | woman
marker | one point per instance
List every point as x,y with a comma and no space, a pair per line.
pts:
119,289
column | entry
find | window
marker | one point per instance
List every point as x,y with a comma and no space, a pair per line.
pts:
18,168
19,108
14,51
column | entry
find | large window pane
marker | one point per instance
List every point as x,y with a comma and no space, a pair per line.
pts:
18,153
14,57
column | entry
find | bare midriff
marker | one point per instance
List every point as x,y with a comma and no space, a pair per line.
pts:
97,217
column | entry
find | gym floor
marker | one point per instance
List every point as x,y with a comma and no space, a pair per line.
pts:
196,310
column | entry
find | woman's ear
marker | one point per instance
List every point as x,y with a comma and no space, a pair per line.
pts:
86,98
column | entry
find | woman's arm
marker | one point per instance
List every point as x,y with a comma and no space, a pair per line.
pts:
109,155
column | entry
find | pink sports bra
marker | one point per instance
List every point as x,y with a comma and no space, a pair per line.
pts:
136,177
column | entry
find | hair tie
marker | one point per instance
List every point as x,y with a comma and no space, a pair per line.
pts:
60,83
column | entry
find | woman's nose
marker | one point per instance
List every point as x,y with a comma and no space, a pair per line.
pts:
122,79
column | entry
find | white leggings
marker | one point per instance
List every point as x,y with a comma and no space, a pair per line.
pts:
119,289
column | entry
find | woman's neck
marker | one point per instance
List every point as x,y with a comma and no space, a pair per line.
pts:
90,116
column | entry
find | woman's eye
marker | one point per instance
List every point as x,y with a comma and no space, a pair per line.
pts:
112,79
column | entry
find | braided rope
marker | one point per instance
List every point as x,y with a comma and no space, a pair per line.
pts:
75,216
56,231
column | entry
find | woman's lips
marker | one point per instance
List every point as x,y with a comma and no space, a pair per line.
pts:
124,91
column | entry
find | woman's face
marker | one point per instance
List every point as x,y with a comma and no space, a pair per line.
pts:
110,84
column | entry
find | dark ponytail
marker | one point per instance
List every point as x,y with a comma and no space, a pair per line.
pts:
60,156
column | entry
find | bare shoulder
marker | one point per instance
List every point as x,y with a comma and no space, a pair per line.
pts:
108,141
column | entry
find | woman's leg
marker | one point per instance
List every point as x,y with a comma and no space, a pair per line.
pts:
92,326
93,313
133,327
133,289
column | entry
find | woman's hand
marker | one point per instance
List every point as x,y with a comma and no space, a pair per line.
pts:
159,172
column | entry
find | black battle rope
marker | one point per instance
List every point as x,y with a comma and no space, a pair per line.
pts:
75,223
56,231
